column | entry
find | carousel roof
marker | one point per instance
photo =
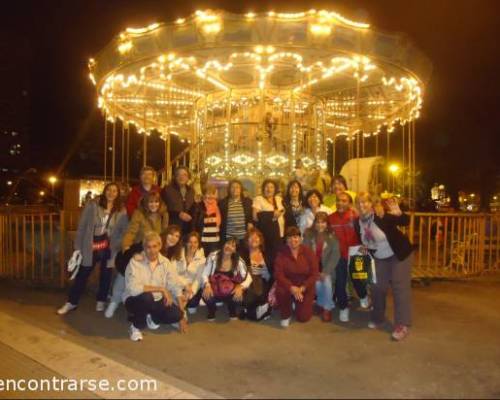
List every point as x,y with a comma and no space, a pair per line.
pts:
156,77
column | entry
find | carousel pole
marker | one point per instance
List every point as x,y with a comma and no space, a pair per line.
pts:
362,144
403,180
105,146
413,160
359,132
204,132
113,152
227,133
334,153
128,152
348,143
144,143
376,155
293,126
388,141
123,151
324,143
192,142
410,163
168,141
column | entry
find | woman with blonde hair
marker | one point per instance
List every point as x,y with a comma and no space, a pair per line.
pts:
150,216
378,229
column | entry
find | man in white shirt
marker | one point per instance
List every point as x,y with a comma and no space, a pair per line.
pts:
151,286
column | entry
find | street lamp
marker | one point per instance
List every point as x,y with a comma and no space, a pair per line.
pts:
394,170
52,181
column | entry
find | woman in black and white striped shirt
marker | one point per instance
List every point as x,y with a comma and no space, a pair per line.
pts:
208,220
236,213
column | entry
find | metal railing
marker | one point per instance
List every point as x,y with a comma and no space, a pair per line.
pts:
35,246
454,245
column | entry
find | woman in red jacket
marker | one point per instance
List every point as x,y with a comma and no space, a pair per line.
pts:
296,272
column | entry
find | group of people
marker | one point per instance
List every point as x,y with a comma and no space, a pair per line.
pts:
173,250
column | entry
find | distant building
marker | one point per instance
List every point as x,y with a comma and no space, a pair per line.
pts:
14,110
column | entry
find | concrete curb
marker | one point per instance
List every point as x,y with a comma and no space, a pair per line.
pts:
74,361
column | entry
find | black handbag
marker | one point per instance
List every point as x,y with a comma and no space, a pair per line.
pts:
123,257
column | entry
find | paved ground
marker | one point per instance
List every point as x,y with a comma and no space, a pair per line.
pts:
453,350
16,365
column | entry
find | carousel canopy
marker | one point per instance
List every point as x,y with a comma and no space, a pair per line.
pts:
296,79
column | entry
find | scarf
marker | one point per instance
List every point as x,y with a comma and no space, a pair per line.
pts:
212,208
366,223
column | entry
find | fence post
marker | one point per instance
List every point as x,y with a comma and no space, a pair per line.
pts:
412,227
62,251
482,238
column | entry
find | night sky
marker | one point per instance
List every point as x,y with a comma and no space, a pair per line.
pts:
457,135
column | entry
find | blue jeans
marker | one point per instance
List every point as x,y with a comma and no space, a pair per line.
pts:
101,257
324,293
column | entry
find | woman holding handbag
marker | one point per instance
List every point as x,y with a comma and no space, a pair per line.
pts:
150,216
255,305
225,279
392,251
97,240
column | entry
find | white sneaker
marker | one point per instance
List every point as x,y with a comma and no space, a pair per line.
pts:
344,315
135,334
110,309
151,324
261,310
100,306
66,308
192,310
285,323
373,325
364,303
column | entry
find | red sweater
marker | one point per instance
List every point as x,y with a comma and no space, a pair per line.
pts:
135,195
303,271
342,225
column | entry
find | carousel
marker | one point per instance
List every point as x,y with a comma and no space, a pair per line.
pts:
251,94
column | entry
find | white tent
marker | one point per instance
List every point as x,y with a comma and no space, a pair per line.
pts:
361,173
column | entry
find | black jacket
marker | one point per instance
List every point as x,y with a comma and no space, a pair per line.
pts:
289,218
399,242
223,207
172,197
